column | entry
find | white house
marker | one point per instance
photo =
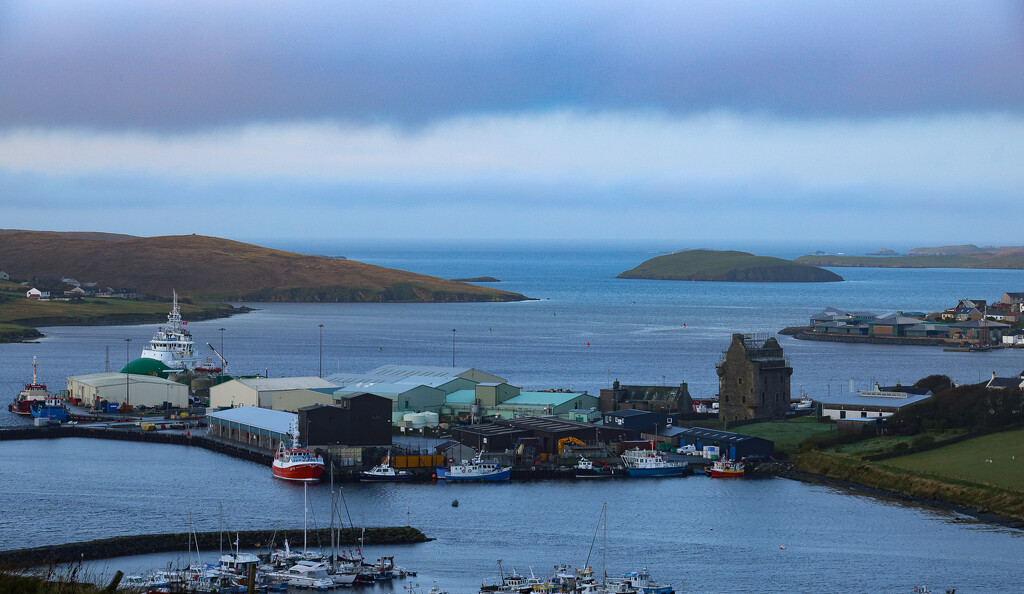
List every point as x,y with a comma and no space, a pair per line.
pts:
4,276
35,293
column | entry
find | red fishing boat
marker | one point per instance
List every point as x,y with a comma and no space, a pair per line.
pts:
727,469
296,462
34,393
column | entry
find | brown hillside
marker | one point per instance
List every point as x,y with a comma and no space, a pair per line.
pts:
76,234
210,267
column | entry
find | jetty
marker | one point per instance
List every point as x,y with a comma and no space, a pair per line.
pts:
142,544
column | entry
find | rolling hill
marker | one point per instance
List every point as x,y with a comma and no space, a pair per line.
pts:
729,266
956,256
211,268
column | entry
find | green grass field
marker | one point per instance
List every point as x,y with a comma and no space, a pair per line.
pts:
88,311
967,460
787,434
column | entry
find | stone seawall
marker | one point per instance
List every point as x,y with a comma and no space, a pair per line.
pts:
202,441
141,544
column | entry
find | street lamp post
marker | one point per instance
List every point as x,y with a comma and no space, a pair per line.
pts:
453,347
321,350
221,341
127,373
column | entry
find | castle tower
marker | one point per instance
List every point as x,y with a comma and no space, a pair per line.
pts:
753,380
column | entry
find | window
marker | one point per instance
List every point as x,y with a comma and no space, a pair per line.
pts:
863,414
842,414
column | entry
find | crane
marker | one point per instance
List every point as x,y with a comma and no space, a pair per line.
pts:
223,361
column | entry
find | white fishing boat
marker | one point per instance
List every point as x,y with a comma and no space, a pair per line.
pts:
647,463
474,470
172,345
385,473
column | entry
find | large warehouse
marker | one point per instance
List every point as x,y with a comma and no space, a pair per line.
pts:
259,391
134,389
252,425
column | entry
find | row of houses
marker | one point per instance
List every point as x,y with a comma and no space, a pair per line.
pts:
82,291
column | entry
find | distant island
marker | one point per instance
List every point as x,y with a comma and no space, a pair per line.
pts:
884,252
214,269
728,266
954,256
477,279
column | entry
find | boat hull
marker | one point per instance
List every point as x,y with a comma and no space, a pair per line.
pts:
305,473
54,413
366,477
726,473
656,472
445,474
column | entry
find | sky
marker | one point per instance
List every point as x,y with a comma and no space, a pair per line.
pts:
700,123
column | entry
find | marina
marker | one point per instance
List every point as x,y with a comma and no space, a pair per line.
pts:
542,344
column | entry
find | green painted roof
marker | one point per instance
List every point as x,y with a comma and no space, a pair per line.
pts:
461,397
543,398
144,366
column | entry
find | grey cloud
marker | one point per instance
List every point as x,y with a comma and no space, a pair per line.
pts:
173,65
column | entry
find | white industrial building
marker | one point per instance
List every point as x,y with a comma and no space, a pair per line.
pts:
252,426
133,389
872,404
259,391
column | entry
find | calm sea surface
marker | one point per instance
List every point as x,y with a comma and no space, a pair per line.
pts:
717,536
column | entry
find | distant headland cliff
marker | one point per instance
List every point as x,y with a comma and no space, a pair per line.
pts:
728,266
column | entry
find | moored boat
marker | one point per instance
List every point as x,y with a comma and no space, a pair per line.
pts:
723,468
51,408
474,470
172,344
650,463
33,393
385,472
587,469
296,462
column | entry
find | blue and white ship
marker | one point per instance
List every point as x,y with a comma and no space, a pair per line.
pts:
474,470
51,408
643,463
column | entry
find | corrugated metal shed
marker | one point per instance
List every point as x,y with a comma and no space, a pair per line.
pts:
262,384
542,398
275,421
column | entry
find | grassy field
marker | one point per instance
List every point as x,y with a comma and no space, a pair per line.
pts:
967,460
787,434
31,312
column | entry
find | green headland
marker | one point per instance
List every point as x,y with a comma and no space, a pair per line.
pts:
729,266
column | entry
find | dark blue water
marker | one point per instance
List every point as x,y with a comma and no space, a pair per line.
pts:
717,536
638,331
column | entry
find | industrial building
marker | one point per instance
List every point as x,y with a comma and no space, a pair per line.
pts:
356,420
876,403
448,379
546,432
753,380
638,422
251,425
662,399
293,400
133,389
500,400
403,396
731,445
259,391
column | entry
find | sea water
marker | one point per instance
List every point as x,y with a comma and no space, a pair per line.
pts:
584,329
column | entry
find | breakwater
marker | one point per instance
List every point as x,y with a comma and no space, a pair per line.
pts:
141,544
202,441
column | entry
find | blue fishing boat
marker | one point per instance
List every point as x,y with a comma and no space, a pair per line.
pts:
473,471
51,408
